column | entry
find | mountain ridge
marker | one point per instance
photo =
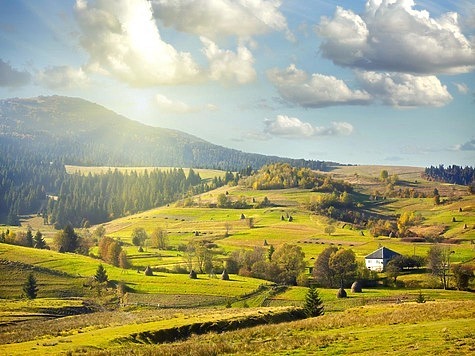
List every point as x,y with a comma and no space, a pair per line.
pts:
82,132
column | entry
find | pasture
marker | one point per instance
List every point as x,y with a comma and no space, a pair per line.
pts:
114,322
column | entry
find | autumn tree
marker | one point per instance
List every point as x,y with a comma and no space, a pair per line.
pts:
438,260
159,239
123,262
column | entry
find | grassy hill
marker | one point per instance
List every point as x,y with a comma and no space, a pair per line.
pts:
150,307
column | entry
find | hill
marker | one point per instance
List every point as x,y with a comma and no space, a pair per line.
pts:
141,314
76,131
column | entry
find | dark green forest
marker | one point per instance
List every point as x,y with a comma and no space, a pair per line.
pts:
33,184
451,174
39,136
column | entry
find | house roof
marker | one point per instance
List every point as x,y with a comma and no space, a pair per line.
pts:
382,253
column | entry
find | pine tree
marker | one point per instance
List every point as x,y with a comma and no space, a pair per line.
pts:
313,304
101,274
29,288
29,238
39,241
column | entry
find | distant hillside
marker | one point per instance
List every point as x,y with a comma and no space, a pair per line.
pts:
75,131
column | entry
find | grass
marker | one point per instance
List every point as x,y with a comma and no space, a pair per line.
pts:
443,327
361,323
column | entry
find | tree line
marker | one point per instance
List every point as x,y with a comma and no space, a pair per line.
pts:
93,199
451,174
33,184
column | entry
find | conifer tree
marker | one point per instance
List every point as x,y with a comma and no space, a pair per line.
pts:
101,274
39,241
30,288
313,304
29,238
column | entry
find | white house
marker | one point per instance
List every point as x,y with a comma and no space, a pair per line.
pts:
377,260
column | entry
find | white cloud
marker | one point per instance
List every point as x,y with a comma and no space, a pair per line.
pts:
391,35
217,18
462,88
10,77
229,66
123,41
317,90
467,146
62,77
291,127
405,90
178,107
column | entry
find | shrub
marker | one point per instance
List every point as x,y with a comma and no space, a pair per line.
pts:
420,298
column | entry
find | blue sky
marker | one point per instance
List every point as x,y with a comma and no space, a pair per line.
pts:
387,82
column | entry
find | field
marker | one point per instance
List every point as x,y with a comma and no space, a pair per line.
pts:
208,315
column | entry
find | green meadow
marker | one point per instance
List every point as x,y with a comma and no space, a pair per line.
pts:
71,315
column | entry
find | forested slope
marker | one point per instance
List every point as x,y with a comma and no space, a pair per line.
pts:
75,131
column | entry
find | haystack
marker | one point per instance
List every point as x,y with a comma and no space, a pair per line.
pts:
356,287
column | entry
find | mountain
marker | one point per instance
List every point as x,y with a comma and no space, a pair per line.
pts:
76,131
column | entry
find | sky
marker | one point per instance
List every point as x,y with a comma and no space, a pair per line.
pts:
386,82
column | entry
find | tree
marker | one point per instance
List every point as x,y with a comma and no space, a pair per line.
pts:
30,288
343,263
438,260
159,239
330,229
101,274
463,274
139,235
323,274
123,262
227,228
66,240
393,270
39,241
223,201
384,175
99,232
113,251
313,305
270,252
291,262
29,238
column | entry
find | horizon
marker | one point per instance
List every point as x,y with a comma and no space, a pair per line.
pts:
292,79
